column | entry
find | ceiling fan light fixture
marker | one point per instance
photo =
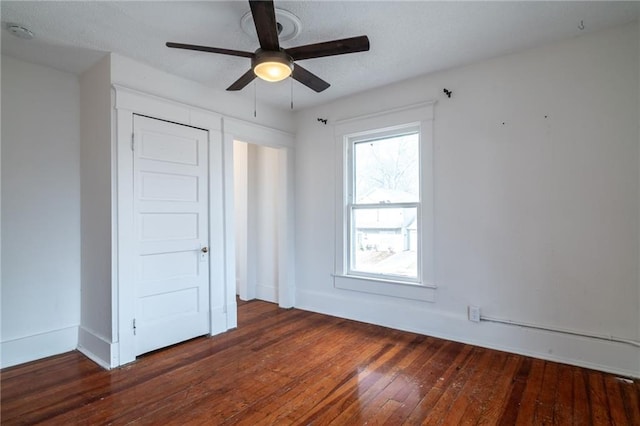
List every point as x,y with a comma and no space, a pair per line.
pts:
272,66
273,63
272,71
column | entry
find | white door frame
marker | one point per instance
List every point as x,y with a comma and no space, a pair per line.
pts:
234,129
221,277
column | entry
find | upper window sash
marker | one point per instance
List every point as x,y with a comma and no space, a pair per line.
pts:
372,136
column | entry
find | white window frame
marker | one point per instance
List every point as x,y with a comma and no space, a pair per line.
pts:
352,205
387,123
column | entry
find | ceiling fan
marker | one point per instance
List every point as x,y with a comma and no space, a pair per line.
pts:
272,63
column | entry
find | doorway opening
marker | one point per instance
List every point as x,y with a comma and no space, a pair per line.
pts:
257,197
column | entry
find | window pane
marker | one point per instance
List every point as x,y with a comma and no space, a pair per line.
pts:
387,170
385,241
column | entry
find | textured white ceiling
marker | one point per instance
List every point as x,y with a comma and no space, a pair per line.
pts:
407,38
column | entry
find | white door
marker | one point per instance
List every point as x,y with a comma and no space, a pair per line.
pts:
171,233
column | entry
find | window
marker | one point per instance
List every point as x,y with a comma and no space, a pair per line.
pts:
383,203
384,214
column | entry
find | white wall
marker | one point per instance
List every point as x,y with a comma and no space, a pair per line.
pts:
263,204
240,189
536,201
40,211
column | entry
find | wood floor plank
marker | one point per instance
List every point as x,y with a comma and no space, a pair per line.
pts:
479,359
614,397
465,408
429,360
347,391
581,410
411,372
405,355
631,399
383,415
510,412
563,410
498,392
416,413
529,401
291,367
372,399
546,399
598,399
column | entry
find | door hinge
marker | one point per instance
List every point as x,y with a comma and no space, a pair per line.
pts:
133,142
134,326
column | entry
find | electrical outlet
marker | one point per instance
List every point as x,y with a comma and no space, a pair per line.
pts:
474,313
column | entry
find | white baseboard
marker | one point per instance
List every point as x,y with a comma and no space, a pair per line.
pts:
98,349
31,348
266,293
223,319
611,357
232,316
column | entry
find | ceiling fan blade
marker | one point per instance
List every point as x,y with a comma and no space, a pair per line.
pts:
329,48
240,83
309,79
210,49
264,17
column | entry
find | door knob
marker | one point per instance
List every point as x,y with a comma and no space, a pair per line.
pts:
204,249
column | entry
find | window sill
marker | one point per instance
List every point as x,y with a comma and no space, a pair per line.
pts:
400,289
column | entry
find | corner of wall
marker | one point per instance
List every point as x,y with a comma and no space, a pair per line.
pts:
98,349
96,196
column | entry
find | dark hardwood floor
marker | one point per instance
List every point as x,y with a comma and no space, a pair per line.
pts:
285,367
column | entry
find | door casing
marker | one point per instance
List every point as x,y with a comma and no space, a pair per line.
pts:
222,132
222,304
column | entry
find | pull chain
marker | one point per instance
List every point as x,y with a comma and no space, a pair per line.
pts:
255,99
291,92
